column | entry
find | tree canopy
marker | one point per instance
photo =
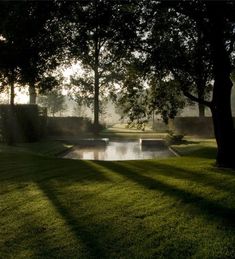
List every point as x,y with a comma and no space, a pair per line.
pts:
185,48
29,47
98,33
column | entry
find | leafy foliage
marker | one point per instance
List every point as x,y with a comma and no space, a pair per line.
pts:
174,139
99,32
30,46
54,101
143,94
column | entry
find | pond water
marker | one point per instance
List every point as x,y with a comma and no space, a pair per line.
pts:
119,150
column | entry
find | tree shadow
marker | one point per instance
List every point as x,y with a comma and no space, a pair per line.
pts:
29,166
209,208
48,174
205,179
88,236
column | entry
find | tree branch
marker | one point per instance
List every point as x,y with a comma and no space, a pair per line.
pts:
196,99
105,66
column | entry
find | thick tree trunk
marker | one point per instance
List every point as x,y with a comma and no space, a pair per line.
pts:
221,102
32,95
223,121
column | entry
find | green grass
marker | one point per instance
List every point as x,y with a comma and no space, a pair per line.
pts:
204,148
120,131
181,207
49,148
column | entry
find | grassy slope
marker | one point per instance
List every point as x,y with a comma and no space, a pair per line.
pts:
49,148
173,208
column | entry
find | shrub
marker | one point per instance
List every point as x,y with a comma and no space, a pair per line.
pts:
174,139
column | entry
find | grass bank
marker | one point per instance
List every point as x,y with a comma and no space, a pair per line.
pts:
171,208
45,147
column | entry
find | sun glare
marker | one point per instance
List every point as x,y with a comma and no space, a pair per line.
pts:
73,69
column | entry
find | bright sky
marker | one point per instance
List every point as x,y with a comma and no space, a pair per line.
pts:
75,68
22,96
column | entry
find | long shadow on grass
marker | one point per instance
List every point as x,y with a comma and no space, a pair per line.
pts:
90,174
218,178
79,229
48,173
207,207
26,168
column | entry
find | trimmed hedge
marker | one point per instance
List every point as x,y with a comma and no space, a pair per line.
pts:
199,126
21,123
160,126
68,126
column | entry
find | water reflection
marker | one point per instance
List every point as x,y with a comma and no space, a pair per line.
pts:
130,150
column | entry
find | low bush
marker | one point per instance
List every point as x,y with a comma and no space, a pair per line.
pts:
174,139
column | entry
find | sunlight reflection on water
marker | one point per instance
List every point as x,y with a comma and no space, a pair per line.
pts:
129,150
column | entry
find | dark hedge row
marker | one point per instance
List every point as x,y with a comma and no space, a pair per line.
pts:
68,126
200,126
22,123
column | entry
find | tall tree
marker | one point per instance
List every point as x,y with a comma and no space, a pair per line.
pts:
177,47
43,44
99,30
216,22
30,47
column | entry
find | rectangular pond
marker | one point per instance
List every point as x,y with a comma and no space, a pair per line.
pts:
119,150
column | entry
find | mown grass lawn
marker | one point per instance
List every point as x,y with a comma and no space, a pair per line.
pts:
119,131
171,208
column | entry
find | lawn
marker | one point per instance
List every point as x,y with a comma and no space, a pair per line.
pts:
49,148
120,131
180,207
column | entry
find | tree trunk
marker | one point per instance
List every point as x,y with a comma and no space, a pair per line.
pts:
221,102
201,95
223,121
32,94
96,80
96,102
201,110
12,93
201,80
